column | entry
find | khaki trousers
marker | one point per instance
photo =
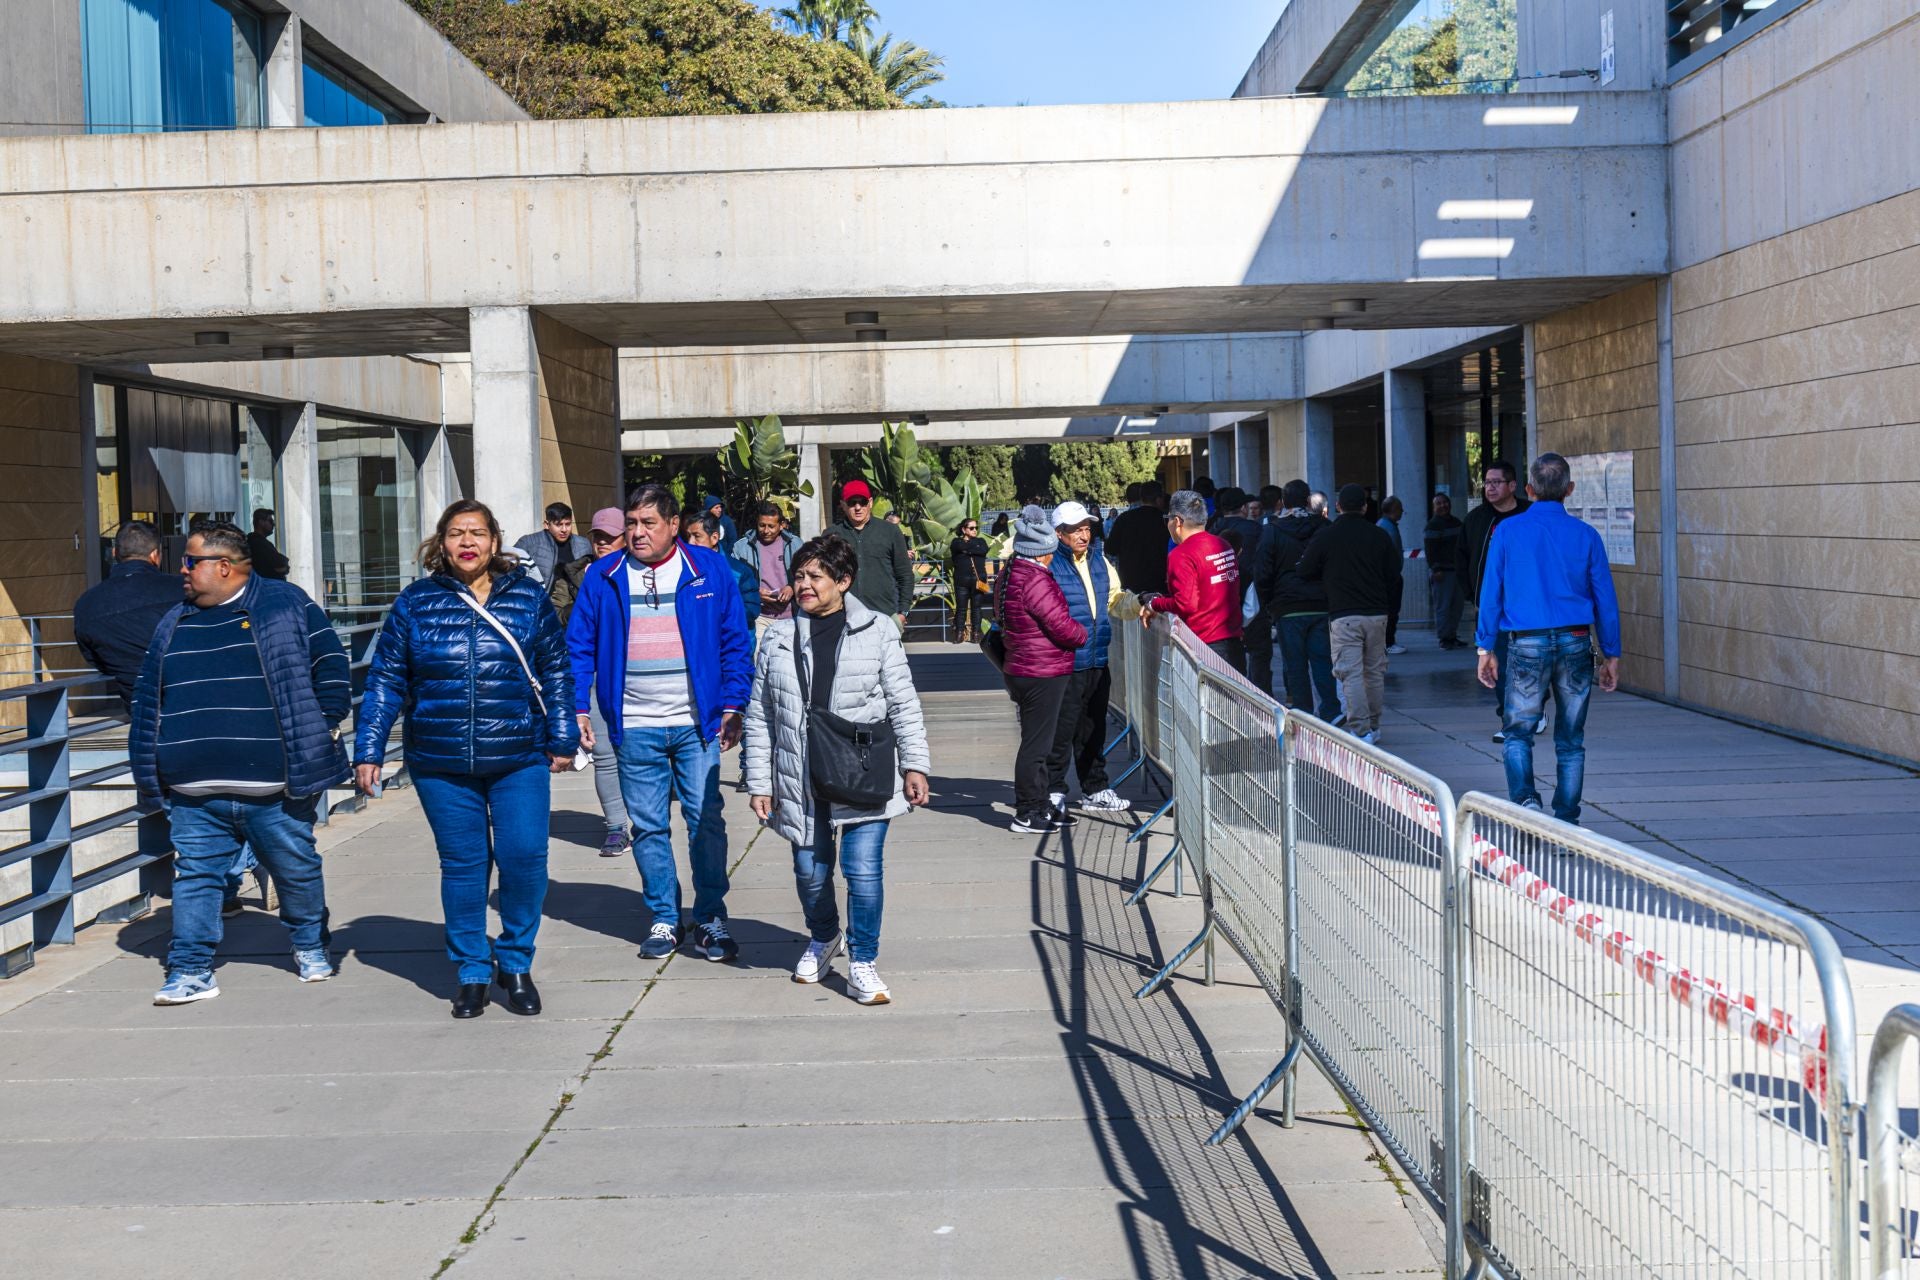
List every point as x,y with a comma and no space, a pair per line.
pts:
1360,665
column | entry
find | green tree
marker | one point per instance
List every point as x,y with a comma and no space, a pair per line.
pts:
903,66
1100,470
760,466
830,19
991,465
572,59
1470,47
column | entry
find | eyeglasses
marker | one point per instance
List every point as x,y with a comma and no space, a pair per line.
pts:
650,585
190,562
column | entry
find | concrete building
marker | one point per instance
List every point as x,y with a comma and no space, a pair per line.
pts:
314,261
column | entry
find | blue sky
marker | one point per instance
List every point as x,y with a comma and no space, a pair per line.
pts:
1002,52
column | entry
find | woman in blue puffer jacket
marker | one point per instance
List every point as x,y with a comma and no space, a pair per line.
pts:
475,657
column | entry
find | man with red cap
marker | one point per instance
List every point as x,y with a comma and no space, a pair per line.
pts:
884,580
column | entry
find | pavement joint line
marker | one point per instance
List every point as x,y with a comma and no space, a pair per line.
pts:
482,1221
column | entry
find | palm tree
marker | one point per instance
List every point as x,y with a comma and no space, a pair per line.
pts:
905,68
837,20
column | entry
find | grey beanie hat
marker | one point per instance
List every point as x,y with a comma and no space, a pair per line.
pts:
1033,533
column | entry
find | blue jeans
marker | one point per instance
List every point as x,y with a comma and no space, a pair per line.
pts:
208,834
658,766
1306,650
480,826
1563,663
243,862
859,856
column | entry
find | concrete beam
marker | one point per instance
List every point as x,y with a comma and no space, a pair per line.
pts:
1405,428
1018,378
285,73
982,223
651,438
1311,41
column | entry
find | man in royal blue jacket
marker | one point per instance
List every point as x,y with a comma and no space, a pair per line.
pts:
1547,585
659,636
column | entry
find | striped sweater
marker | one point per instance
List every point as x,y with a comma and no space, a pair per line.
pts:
219,732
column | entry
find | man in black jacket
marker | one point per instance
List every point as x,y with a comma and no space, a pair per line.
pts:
113,622
1442,544
1356,560
1500,489
1137,543
267,560
1298,609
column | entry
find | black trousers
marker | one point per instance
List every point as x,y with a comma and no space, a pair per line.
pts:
1038,698
1083,725
968,604
1258,639
1234,650
1399,588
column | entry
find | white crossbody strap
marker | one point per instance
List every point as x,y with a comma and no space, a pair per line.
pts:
539,694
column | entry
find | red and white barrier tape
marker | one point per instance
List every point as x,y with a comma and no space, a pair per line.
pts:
1766,1026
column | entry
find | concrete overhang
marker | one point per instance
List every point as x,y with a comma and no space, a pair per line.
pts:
1011,378
1202,217
1311,40
652,438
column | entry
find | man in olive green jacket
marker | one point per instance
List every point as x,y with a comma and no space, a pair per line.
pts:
884,581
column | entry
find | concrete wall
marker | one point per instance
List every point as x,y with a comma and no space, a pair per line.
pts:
41,503
395,50
1564,35
1807,120
41,89
579,418
1797,390
1339,360
1597,391
397,387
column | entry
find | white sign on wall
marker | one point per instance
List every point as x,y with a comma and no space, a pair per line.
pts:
1606,47
1603,497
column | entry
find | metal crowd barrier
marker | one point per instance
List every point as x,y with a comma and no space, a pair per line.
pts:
1893,1151
1589,1061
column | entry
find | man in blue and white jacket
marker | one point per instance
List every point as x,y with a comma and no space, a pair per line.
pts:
659,637
235,733
1090,584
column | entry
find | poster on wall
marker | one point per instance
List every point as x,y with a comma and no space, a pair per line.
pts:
1603,497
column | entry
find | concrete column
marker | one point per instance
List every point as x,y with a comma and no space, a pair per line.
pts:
1220,458
1530,396
1406,438
437,483
300,518
89,480
1669,495
506,417
814,512
1300,433
1198,451
286,101
1250,455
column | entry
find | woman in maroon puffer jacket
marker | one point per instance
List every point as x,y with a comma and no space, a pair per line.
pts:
1041,638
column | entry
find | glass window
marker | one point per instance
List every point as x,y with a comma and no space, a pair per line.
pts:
460,444
369,515
1436,47
331,98
259,469
157,66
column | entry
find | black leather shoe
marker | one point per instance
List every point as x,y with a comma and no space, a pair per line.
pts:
522,996
472,1000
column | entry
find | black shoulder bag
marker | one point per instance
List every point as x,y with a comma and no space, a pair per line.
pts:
849,763
993,642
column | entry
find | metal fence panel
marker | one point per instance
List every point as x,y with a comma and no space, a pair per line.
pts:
1893,1150
1373,857
1651,1087
1245,826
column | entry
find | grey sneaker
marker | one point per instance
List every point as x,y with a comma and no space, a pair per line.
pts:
1500,736
315,965
616,843
661,941
185,988
1103,801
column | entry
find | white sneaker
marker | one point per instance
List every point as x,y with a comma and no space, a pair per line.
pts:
1371,739
1056,800
1103,802
1396,648
863,981
817,961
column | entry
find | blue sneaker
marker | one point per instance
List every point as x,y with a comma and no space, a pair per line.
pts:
185,988
660,942
315,965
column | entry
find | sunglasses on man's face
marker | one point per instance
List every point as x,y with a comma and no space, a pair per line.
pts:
190,563
859,502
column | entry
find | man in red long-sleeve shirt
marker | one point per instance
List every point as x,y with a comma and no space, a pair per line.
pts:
1203,581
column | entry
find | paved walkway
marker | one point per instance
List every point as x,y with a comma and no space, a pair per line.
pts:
1835,835
1015,1113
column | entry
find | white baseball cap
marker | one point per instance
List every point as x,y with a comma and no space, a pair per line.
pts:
1069,514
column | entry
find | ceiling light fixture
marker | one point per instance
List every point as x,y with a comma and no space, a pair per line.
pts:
917,419
210,338
276,353
1159,409
1313,324
1349,306
869,335
863,317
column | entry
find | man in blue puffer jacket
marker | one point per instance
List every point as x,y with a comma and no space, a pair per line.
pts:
1089,583
234,735
659,636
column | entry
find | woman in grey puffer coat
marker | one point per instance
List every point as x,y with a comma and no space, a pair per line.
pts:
838,655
